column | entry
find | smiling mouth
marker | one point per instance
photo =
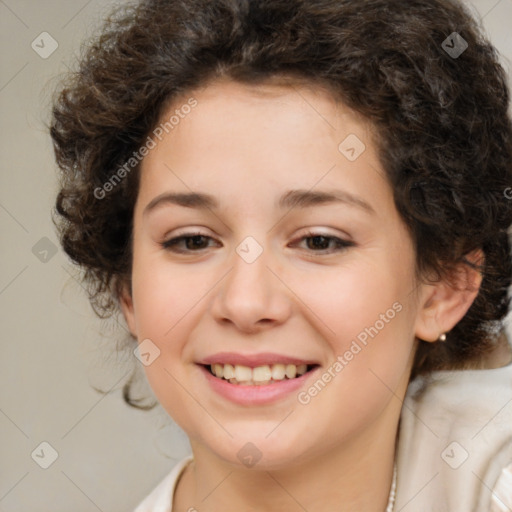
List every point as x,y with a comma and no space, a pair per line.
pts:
260,375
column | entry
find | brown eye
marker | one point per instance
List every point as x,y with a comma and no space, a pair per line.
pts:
189,242
319,243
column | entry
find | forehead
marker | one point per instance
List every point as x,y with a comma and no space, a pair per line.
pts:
303,98
261,138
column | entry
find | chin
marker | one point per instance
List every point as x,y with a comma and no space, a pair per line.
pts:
257,450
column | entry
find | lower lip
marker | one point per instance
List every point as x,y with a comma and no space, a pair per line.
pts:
258,394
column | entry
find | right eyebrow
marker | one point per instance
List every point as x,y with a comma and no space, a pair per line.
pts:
188,200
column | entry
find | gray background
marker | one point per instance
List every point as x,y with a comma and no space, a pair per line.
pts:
53,348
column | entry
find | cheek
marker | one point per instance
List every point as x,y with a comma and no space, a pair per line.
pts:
169,305
166,315
365,312
370,354
354,297
164,295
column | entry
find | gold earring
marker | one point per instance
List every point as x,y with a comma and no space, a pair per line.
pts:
442,337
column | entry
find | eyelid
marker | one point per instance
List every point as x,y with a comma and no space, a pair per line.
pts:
323,232
188,231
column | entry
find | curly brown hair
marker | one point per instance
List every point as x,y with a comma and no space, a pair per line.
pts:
445,138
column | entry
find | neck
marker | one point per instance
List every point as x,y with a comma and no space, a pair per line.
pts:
355,476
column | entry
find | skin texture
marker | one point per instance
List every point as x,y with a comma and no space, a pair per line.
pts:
246,146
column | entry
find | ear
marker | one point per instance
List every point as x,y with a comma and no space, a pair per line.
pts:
443,304
126,302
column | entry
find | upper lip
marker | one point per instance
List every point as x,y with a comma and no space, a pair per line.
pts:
253,360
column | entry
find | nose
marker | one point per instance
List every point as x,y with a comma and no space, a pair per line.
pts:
252,297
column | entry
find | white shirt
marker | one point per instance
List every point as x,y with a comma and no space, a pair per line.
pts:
454,450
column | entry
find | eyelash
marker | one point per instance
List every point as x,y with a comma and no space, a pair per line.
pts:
341,244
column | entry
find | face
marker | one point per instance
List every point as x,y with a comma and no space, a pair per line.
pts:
291,253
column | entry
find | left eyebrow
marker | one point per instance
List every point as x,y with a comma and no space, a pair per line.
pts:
308,198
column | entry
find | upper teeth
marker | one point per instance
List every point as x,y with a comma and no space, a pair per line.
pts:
260,374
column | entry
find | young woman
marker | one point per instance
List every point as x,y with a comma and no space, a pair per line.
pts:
301,210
